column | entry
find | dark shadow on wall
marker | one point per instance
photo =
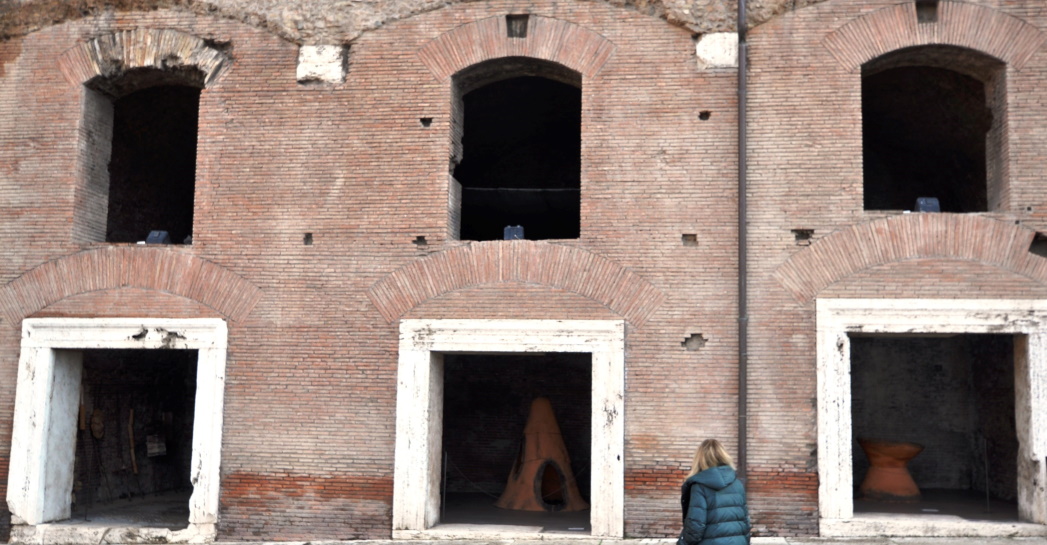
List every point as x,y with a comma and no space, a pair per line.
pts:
5,523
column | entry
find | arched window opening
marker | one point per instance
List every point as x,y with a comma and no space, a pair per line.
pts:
520,149
142,128
153,165
932,126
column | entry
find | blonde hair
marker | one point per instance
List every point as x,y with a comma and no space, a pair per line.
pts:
710,454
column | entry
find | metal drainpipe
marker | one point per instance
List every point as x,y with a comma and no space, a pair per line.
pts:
743,250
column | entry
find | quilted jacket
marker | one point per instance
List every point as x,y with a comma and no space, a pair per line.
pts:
714,509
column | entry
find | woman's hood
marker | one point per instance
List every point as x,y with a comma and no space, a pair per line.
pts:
716,478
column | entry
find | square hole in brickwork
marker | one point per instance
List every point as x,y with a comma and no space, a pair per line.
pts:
694,342
927,11
1039,245
803,236
307,239
689,239
516,25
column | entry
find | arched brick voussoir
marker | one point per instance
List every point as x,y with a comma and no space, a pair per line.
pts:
162,48
910,236
563,267
562,42
960,24
158,269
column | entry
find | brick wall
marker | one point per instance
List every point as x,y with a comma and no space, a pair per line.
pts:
310,391
805,172
311,376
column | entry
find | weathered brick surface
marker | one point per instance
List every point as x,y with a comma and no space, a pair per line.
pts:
311,377
549,265
118,266
912,236
805,172
318,21
310,398
126,301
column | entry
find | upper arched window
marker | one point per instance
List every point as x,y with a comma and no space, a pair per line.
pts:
517,158
141,128
933,127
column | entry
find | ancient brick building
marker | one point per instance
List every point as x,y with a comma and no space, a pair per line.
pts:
256,282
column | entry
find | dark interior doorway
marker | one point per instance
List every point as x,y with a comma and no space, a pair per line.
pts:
134,437
521,161
952,394
486,403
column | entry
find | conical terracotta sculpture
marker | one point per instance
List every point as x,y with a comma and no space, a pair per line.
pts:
541,479
888,478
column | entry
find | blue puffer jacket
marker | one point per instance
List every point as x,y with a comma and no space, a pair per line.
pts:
714,509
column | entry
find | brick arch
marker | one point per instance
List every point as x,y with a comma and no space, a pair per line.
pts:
960,24
129,266
910,236
161,48
549,39
563,267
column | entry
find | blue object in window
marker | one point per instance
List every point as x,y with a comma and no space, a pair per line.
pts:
513,232
927,204
158,237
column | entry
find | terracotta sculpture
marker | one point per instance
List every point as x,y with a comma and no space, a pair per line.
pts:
541,478
888,478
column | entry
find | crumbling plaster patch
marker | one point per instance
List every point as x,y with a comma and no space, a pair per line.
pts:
341,21
321,64
717,50
837,318
40,478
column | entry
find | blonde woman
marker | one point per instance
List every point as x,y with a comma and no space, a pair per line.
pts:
713,499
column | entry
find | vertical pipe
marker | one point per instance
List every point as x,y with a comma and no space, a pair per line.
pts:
743,249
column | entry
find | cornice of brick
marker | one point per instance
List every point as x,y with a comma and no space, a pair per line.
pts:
960,24
911,236
113,267
535,262
554,40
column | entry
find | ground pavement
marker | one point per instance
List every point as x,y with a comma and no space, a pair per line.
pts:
755,541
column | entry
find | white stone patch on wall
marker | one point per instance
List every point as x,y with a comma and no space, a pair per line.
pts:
43,442
322,63
419,417
837,318
717,50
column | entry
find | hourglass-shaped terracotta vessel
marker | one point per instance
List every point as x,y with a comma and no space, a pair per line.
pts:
888,478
